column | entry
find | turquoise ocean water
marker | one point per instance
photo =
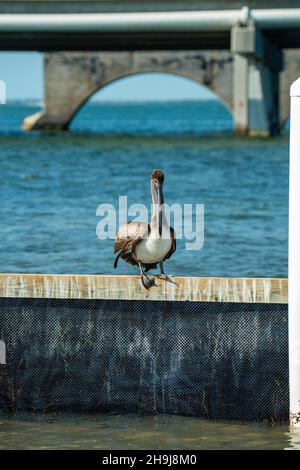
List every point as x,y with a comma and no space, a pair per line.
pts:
52,184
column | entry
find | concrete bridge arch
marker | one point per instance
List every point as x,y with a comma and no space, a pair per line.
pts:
72,78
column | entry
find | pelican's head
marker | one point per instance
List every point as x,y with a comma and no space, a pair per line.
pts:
157,181
157,177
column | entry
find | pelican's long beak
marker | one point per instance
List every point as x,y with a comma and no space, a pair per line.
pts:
160,223
159,202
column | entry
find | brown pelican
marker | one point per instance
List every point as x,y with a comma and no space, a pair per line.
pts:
147,245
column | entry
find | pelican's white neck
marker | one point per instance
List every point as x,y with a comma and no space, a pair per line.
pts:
158,219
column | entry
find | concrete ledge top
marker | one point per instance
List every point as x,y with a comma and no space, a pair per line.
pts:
205,289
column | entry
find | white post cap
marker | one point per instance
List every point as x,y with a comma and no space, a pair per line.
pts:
295,88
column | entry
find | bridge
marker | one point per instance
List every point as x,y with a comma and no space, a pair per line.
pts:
248,57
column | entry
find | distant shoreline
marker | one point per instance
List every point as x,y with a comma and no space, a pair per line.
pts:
37,102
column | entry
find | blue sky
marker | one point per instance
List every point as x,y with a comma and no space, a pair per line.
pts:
23,76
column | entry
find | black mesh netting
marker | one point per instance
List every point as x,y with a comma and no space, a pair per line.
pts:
214,360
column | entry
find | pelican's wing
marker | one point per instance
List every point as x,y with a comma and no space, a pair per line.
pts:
173,246
127,238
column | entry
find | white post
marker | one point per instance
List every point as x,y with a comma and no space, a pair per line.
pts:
294,257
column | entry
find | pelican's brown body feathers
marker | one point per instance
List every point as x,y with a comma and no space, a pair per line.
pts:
129,236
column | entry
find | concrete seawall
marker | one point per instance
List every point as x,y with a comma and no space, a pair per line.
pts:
99,352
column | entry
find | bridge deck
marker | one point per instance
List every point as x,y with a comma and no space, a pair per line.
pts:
142,31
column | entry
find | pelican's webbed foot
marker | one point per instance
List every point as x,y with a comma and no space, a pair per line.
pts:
164,276
147,279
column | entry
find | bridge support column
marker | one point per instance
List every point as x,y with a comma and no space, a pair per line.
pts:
257,64
70,79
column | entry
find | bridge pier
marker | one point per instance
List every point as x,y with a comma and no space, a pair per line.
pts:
256,68
70,79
